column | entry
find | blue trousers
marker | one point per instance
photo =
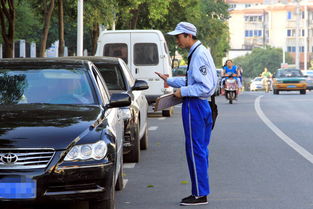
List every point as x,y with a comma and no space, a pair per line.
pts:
197,121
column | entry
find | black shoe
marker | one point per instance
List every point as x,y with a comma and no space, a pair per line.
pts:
193,200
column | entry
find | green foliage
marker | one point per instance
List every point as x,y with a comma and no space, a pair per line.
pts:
208,15
254,63
27,23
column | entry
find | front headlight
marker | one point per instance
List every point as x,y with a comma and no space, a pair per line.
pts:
96,151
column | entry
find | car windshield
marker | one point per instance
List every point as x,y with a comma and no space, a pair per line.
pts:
45,85
180,71
289,73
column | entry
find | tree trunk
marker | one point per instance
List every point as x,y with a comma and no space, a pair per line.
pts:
61,29
47,19
95,36
7,31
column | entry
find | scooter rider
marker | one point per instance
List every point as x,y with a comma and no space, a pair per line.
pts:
195,89
228,68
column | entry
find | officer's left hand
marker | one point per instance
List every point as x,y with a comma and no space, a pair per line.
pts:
177,93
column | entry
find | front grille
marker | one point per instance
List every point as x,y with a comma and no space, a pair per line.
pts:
291,81
25,158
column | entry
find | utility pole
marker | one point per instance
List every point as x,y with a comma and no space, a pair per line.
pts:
297,33
80,27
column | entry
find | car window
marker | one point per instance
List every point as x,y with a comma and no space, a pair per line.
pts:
180,71
112,76
289,73
46,85
101,85
128,76
116,50
146,54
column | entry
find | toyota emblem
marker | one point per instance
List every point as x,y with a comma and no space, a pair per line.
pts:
8,158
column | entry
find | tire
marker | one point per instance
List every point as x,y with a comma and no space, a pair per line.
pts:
107,204
302,91
144,140
134,155
275,91
120,178
168,113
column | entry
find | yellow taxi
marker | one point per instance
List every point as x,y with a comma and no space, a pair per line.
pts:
289,79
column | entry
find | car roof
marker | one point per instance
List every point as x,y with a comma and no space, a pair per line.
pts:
287,69
97,59
40,61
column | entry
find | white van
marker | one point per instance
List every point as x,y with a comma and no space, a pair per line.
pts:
145,52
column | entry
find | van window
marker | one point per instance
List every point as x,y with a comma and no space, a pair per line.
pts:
116,50
146,54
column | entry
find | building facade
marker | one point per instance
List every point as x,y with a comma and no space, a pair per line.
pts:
283,24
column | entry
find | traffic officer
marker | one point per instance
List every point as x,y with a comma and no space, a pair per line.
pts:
195,89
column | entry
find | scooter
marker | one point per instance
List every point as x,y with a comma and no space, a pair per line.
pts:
231,88
267,84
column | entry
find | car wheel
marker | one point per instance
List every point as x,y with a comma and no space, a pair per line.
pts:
275,91
144,140
134,155
107,203
168,113
120,178
302,91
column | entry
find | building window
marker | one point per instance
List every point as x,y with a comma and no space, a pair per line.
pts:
289,15
302,32
291,49
301,49
291,32
247,5
232,6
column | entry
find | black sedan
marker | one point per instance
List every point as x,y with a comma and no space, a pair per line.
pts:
61,136
120,80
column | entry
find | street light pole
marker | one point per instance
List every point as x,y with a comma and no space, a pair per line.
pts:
297,34
80,27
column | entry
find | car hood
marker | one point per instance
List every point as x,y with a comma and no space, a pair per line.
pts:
44,126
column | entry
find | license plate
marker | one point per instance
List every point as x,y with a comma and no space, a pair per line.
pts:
292,86
17,188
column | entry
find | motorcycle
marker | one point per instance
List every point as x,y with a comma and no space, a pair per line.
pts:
231,89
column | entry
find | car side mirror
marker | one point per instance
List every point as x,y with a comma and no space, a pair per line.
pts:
140,85
119,100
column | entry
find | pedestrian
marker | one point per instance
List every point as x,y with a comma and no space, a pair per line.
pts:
195,89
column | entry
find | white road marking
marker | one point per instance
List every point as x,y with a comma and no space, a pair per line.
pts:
129,165
153,128
303,152
163,118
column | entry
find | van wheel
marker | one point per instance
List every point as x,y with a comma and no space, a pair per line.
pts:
144,141
168,113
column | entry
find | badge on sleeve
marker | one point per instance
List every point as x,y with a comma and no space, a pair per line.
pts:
203,70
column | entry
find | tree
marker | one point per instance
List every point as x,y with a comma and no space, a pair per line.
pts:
7,21
61,28
98,12
254,63
48,9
